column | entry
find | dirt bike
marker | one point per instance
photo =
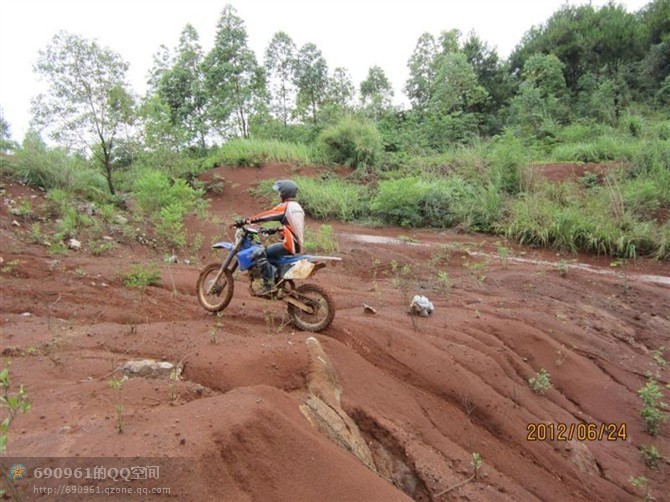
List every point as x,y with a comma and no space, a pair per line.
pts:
310,308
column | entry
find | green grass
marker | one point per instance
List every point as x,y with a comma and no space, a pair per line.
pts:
254,152
325,198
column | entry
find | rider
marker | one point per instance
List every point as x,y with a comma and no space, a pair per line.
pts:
292,218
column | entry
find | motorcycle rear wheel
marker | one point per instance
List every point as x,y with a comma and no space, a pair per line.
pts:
215,297
317,298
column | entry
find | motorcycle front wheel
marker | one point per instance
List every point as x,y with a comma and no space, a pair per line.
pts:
214,294
323,309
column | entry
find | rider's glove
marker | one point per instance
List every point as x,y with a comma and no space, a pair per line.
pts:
239,223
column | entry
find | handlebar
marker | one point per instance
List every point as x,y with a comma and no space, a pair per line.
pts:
264,231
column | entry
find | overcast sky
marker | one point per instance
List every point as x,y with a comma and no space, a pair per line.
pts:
355,34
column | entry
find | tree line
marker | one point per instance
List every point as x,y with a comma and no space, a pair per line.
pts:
584,63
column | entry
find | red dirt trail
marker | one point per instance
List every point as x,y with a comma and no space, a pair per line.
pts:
425,393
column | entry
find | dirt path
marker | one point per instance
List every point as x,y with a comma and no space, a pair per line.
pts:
423,393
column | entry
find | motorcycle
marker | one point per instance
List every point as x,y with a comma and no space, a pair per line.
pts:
310,307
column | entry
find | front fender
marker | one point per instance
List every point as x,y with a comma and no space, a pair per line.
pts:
223,245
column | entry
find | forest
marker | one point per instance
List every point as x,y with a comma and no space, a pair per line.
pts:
590,87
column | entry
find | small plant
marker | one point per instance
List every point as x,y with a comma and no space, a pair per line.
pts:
561,355
651,456
652,410
24,208
142,277
504,254
13,402
563,268
117,385
657,355
10,266
98,248
541,382
441,257
476,463
57,248
213,333
642,483
173,378
444,280
407,239
36,236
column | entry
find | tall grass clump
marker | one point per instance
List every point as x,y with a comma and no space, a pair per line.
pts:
351,142
254,152
39,166
601,149
506,157
569,220
324,198
418,201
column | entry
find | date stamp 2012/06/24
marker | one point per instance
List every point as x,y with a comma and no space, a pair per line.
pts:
559,431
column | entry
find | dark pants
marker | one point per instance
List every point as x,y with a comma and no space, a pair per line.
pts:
273,252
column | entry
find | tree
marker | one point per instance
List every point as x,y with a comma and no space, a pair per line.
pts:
421,64
542,95
493,76
279,66
341,90
311,79
6,142
376,93
234,80
182,88
87,103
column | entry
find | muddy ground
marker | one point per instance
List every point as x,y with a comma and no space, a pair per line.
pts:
417,397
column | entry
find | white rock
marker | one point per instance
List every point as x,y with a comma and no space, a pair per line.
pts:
421,306
150,368
74,244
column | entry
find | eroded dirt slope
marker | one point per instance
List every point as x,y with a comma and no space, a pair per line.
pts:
424,394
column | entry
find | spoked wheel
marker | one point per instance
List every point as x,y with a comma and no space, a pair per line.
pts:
215,290
322,306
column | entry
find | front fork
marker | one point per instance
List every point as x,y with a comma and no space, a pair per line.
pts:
224,267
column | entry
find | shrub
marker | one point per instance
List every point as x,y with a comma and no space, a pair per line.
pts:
652,411
39,166
167,203
541,382
352,143
412,202
140,276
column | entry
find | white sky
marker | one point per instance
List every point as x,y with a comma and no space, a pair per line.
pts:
355,34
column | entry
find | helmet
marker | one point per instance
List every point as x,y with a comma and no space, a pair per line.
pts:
287,189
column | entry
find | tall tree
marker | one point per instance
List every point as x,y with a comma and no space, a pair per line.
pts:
542,95
376,93
182,88
234,79
311,78
6,142
88,101
341,89
493,76
279,66
419,86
